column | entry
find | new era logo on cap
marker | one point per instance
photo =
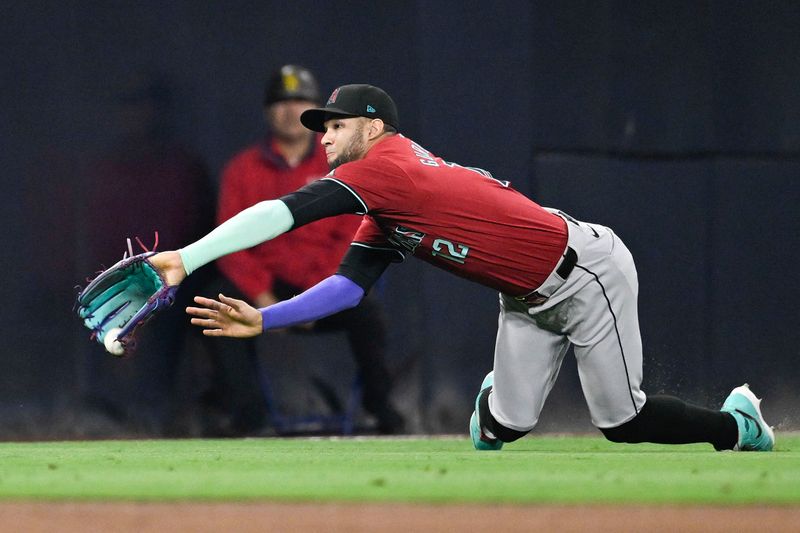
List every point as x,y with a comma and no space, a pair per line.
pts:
370,109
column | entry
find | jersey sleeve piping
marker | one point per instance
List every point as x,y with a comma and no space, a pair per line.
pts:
354,193
381,248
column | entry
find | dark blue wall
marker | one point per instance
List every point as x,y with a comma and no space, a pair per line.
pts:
676,123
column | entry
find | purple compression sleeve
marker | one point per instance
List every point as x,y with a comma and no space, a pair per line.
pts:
329,296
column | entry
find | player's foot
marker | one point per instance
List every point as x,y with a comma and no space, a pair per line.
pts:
480,440
754,433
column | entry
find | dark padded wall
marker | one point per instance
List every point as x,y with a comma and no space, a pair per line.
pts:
677,124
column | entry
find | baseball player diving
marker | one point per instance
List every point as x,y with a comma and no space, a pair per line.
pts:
561,281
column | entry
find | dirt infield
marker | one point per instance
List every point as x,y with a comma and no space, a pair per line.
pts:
246,517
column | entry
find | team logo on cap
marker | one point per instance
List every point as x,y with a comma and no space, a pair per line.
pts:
370,109
334,94
290,82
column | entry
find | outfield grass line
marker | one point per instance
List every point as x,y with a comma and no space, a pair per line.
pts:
445,469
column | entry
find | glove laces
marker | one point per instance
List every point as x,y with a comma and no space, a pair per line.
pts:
145,249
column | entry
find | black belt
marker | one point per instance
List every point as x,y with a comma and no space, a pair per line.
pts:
566,266
563,271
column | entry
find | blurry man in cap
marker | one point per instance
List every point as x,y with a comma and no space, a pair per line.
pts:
289,157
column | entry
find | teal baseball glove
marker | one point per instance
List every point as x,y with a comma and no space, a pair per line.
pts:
121,299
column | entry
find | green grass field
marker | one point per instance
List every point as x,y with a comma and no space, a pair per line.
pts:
541,469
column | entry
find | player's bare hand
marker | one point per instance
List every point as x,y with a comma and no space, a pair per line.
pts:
226,317
170,265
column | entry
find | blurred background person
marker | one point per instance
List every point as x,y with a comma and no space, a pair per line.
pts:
289,157
146,181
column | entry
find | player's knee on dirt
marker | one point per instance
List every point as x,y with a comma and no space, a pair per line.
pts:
488,421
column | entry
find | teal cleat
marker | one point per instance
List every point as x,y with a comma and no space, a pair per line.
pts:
754,433
479,439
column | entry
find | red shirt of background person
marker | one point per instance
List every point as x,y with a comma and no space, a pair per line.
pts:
289,158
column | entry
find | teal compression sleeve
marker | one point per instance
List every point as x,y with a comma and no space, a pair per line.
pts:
256,224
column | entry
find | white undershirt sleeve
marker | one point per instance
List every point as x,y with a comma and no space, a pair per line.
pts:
256,224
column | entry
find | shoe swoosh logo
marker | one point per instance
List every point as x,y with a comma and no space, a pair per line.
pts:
751,418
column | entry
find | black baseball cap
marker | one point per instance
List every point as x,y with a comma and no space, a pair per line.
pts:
356,100
291,82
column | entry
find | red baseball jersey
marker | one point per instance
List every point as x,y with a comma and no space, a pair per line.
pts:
457,218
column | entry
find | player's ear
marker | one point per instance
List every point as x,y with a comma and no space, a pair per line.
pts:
376,128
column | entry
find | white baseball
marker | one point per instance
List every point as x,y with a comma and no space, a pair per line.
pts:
113,346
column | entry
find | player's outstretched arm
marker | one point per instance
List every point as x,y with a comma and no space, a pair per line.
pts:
259,223
122,298
229,317
226,317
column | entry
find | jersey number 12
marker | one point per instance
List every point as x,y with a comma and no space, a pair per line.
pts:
458,256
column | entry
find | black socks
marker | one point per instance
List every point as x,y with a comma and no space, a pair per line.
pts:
669,420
